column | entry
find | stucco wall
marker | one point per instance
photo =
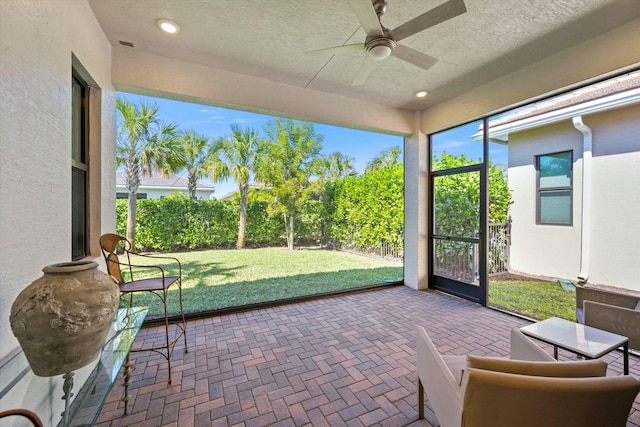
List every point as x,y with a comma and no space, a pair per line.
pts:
615,224
544,250
416,211
37,40
556,251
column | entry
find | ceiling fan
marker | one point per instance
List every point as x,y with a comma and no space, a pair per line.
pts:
382,42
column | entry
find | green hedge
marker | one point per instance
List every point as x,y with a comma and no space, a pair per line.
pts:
177,223
366,210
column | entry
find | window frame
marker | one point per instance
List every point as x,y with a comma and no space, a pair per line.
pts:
540,191
80,196
92,160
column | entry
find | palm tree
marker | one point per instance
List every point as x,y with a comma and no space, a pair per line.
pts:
144,144
197,153
235,157
335,166
390,157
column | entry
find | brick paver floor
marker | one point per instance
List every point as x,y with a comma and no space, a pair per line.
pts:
339,361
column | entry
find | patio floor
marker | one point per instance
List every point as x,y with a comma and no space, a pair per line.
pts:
347,360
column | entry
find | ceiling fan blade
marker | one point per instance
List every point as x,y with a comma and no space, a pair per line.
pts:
414,57
368,64
428,19
367,16
336,49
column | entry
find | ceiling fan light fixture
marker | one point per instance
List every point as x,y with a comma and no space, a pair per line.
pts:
379,47
421,93
380,52
167,26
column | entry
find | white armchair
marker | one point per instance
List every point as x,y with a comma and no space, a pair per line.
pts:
442,374
474,391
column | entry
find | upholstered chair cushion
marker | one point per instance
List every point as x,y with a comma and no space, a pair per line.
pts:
497,399
583,368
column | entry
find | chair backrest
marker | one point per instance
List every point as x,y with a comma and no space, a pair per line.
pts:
439,383
31,416
108,244
618,320
498,399
605,297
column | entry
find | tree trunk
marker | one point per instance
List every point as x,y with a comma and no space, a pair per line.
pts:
132,181
242,228
290,233
131,218
193,186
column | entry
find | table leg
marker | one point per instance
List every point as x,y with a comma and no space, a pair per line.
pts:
67,387
127,381
555,352
626,358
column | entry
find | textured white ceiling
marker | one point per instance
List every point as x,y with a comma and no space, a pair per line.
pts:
267,38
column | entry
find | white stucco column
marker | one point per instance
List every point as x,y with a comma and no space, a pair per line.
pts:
415,209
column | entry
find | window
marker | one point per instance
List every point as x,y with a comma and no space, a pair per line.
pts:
123,195
79,167
554,204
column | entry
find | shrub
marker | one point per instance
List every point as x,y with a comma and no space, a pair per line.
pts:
366,210
177,223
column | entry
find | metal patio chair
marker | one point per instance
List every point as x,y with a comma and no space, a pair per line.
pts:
119,267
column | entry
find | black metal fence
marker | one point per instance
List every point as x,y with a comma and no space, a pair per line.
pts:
461,261
457,260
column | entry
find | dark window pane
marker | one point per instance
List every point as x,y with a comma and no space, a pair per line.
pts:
78,213
78,151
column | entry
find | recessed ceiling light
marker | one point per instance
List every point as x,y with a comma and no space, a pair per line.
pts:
168,26
421,93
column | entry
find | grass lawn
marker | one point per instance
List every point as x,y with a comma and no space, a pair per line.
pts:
536,299
216,279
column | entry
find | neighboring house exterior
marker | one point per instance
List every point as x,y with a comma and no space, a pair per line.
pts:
574,172
157,185
236,193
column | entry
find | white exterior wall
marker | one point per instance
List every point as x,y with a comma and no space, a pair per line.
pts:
37,40
615,225
555,251
544,250
156,193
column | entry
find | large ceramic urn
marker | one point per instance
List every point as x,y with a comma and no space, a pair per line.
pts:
62,319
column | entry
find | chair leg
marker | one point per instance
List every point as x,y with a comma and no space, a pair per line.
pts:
420,400
184,323
166,331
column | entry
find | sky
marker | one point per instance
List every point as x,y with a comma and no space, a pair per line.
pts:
362,146
459,140
214,122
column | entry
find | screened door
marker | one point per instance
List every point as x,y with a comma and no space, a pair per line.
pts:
457,188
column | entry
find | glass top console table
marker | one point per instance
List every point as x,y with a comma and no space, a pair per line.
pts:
45,395
583,340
